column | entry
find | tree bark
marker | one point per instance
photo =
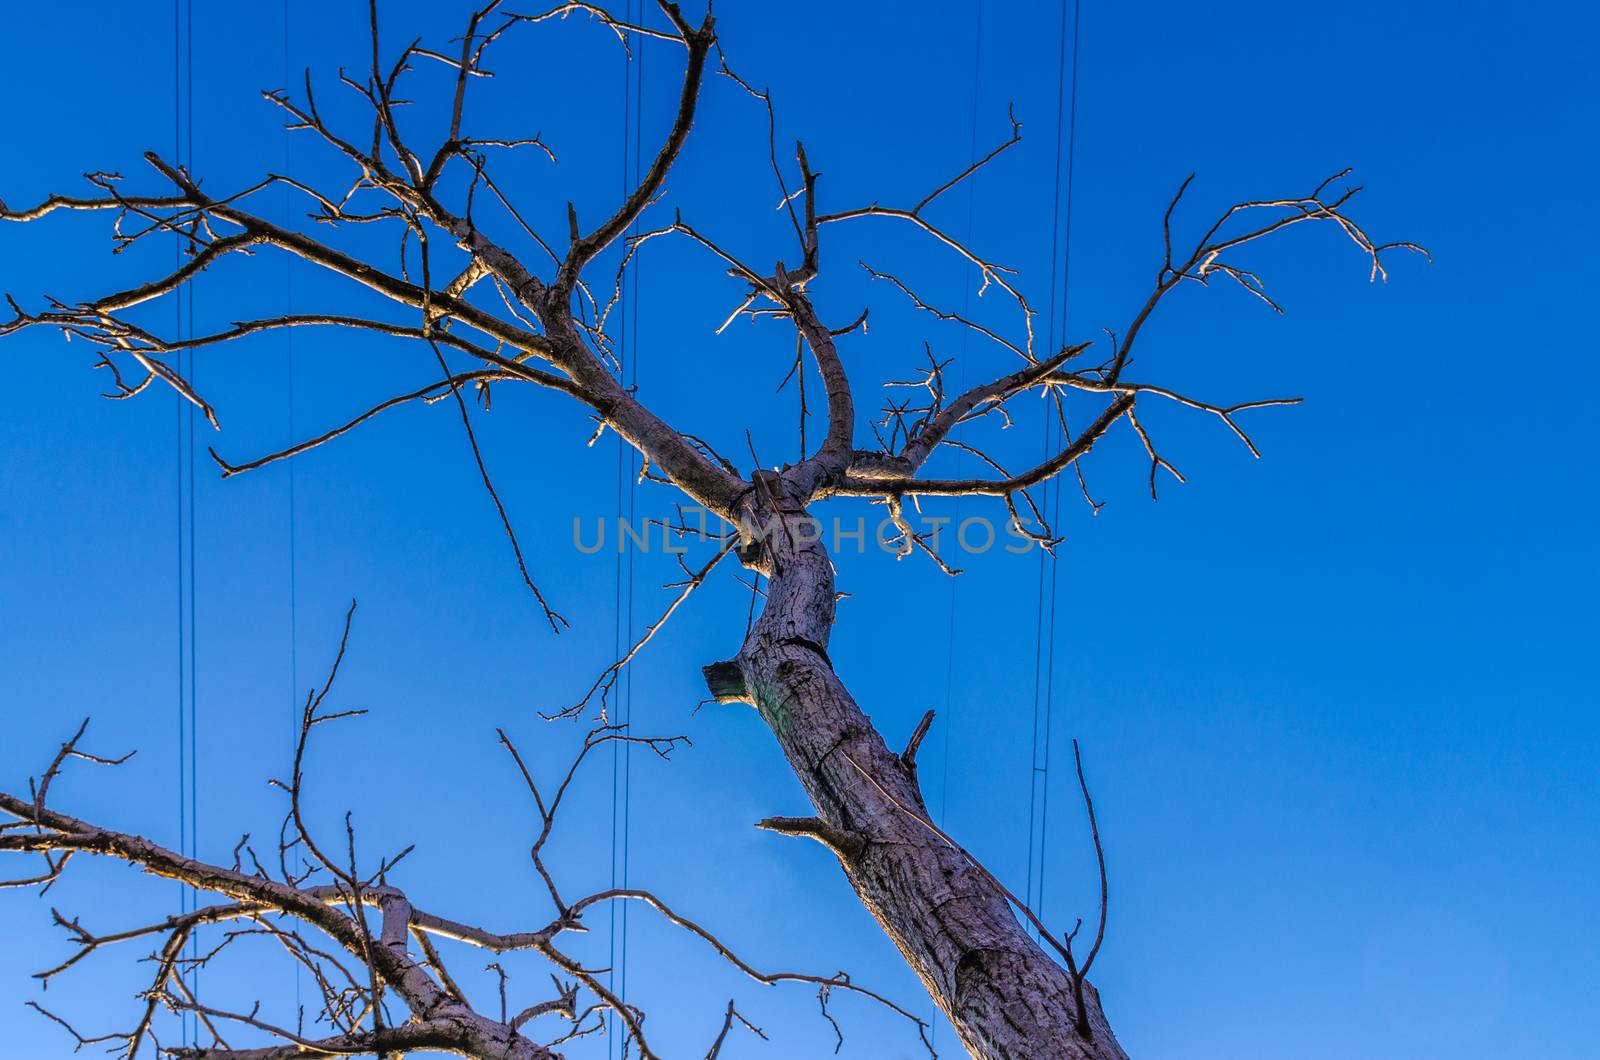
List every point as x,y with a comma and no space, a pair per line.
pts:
1003,994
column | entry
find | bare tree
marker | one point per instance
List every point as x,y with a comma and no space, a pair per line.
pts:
454,286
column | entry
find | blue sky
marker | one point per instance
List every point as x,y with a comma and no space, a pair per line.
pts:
1336,703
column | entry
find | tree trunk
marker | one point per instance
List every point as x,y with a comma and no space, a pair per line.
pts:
1004,995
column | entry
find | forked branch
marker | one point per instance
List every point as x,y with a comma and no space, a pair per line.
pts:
348,925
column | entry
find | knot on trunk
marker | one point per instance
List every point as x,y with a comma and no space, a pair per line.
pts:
725,681
843,842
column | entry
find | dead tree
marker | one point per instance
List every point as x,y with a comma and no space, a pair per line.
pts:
456,287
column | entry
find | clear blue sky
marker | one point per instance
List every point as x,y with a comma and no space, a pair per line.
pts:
1337,704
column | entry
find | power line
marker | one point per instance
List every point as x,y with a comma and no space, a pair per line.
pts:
184,474
1045,626
627,493
288,334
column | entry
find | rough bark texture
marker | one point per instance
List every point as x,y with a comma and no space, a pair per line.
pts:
1004,995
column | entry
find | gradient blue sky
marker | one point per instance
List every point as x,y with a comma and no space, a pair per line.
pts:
1337,704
